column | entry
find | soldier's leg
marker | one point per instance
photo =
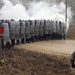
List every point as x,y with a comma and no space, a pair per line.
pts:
12,42
28,40
42,37
36,38
17,41
51,36
39,37
23,41
47,37
64,36
33,39
55,36
8,45
59,36
2,43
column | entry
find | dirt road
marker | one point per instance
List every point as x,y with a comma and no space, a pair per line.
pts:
66,47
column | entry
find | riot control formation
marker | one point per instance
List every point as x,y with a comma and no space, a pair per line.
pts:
27,31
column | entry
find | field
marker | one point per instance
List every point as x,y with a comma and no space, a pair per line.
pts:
50,57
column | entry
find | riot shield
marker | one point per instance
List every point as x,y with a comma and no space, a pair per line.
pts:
32,24
32,29
22,29
64,31
23,38
6,36
58,29
12,29
50,29
17,32
46,26
37,24
41,30
27,30
46,29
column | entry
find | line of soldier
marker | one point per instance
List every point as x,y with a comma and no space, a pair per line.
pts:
22,31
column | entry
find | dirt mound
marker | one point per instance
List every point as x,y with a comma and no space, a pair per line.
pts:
24,62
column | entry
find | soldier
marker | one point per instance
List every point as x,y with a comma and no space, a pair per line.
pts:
23,38
6,36
17,32
54,31
12,31
37,24
64,31
27,32
72,59
58,29
50,29
2,38
46,29
32,30
41,30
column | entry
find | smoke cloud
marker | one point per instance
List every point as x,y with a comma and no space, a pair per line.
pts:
36,10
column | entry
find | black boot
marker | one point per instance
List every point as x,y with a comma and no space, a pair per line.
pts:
8,45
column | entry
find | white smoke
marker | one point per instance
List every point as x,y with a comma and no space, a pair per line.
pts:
10,11
36,10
